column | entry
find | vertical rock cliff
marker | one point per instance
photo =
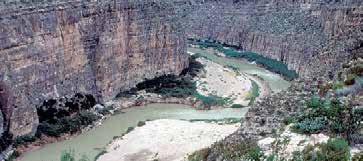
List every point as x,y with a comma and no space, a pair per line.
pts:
311,36
56,48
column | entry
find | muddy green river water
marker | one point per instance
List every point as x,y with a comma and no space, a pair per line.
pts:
89,143
274,81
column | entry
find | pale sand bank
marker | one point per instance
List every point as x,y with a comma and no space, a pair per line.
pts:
166,140
223,82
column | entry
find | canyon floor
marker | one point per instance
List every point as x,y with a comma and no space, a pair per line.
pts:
173,139
166,140
170,140
223,82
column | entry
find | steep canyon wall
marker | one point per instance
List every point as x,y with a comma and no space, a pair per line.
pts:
57,48
312,36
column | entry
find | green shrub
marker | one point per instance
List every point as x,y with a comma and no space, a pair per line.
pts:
335,109
103,151
237,106
314,102
338,85
211,100
86,118
69,124
253,93
24,139
200,155
129,129
310,125
296,156
244,150
335,125
271,157
309,153
68,156
328,116
357,70
290,119
350,79
141,123
169,85
334,150
255,153
49,129
115,137
335,115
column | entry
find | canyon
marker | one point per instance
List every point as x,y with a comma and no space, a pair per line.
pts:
50,49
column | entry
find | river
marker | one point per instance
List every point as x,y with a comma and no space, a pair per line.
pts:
90,142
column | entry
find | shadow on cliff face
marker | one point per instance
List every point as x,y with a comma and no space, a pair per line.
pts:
6,111
54,109
65,115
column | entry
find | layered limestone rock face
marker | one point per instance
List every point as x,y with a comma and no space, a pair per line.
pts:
311,36
57,48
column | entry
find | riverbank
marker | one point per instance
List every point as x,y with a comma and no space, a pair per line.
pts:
264,89
110,108
274,81
135,108
229,83
273,65
166,140
223,82
92,142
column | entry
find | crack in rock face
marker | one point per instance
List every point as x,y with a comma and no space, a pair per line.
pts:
5,107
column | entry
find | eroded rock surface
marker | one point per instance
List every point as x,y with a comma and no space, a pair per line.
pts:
311,36
56,48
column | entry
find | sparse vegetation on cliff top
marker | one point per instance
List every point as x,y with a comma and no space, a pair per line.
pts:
244,150
330,116
349,80
333,150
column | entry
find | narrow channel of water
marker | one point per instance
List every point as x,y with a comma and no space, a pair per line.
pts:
274,81
89,143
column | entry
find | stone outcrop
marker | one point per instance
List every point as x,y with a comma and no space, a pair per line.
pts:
56,48
312,36
266,117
